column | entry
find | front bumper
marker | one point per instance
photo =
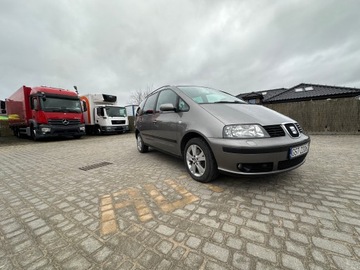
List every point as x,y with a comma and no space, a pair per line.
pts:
257,156
114,129
46,131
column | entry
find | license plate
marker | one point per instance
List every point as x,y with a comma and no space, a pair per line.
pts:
299,150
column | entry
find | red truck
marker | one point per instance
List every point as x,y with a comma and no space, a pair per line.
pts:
42,112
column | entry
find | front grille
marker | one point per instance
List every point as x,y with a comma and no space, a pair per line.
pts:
290,163
292,130
299,128
118,122
64,122
275,130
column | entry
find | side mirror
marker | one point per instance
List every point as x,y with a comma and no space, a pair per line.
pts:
167,107
43,96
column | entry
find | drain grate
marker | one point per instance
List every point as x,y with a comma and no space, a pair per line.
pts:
94,166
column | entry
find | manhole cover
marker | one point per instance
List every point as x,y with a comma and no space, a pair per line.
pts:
94,166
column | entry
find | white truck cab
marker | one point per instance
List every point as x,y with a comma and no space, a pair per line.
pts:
103,115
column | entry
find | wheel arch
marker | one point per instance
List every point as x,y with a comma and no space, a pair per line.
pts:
188,136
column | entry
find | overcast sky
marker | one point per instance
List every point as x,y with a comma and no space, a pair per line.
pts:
119,46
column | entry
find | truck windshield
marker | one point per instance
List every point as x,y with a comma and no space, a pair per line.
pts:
55,104
115,111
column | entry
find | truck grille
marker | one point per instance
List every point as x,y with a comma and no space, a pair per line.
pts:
274,130
64,122
118,122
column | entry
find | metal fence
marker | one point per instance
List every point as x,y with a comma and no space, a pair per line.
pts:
324,116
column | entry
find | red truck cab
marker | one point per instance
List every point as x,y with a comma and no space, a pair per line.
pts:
42,112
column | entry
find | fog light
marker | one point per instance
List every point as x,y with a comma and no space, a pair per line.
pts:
45,130
82,128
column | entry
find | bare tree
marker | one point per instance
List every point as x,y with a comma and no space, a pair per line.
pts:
139,95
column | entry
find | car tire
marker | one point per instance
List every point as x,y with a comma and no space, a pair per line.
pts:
199,161
142,148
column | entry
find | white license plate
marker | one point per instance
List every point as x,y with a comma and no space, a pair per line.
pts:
299,150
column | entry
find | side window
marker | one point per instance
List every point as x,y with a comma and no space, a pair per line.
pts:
100,111
34,103
84,107
183,107
166,96
150,104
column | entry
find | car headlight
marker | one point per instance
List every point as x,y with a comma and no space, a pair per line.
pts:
244,131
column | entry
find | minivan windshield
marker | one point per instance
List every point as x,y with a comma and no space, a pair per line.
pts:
204,95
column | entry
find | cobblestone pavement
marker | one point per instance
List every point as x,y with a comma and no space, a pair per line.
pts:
97,203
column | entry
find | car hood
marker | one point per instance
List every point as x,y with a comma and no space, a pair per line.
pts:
245,114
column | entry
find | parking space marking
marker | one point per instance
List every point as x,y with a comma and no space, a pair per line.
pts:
164,204
215,188
137,200
108,222
108,217
108,206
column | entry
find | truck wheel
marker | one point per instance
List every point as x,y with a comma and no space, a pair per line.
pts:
33,133
16,132
98,130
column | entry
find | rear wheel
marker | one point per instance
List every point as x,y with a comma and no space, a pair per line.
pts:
142,148
17,132
200,161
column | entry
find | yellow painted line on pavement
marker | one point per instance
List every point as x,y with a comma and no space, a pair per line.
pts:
134,198
108,222
215,188
164,204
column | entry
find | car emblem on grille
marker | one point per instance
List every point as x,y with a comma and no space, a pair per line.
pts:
293,130
65,122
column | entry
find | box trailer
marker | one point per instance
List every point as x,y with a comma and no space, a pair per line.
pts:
41,112
103,115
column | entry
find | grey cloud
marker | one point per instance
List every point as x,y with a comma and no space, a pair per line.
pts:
121,46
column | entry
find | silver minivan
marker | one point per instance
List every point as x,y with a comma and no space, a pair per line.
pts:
214,132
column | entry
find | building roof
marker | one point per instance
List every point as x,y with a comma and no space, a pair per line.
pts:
264,94
301,92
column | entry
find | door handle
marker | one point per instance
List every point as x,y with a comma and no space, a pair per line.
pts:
154,121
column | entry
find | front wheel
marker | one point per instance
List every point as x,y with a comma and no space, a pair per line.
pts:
142,148
200,161
33,133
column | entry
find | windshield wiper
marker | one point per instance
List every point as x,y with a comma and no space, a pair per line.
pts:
72,110
228,101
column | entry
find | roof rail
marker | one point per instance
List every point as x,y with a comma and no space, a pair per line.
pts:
158,89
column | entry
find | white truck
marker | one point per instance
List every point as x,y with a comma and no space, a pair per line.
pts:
103,115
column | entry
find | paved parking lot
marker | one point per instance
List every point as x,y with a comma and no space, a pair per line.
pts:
97,203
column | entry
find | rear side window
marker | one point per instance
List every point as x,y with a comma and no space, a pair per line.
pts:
150,104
